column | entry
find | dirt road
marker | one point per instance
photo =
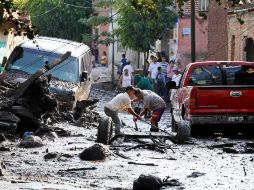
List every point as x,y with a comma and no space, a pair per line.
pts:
197,166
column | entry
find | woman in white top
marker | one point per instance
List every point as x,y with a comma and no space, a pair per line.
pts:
125,79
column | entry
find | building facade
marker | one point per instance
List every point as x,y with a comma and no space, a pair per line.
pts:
183,41
231,31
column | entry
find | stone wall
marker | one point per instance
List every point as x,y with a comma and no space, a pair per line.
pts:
239,35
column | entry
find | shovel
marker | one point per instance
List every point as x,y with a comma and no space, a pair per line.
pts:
155,127
136,126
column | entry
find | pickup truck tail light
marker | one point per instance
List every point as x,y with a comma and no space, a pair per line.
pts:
193,98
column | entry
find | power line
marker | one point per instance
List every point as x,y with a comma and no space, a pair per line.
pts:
77,6
46,12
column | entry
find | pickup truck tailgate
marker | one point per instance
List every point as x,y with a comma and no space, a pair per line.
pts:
226,99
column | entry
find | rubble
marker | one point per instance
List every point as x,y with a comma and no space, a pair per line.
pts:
2,169
31,142
3,148
50,155
150,182
2,137
195,175
147,182
95,152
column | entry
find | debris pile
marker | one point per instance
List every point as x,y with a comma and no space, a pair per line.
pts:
235,148
31,142
95,152
150,182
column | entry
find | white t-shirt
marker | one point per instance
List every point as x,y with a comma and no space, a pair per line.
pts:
164,68
119,103
126,80
176,79
153,69
129,67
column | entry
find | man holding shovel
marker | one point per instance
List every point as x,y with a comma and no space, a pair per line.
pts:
122,102
152,102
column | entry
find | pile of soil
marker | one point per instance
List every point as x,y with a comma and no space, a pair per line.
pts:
95,152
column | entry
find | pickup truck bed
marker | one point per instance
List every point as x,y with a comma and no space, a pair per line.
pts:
215,93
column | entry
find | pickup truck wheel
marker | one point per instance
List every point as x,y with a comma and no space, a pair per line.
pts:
173,124
183,132
104,130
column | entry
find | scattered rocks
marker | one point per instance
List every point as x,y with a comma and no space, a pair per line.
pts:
3,148
95,152
2,169
249,150
31,142
46,132
51,155
62,132
195,175
147,182
230,150
2,137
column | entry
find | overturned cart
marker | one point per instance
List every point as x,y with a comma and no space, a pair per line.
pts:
105,133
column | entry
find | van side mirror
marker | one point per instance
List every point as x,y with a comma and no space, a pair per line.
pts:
171,85
84,76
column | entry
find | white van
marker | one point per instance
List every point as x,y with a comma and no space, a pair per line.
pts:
71,80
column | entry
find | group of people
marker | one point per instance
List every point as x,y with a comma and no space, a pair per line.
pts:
157,73
161,72
123,103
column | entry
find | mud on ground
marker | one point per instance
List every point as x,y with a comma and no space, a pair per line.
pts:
198,165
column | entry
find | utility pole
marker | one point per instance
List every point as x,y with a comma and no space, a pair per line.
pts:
193,35
113,47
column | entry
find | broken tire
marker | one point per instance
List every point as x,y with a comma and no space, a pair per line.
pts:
183,132
104,130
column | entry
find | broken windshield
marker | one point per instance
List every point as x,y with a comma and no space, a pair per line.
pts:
33,60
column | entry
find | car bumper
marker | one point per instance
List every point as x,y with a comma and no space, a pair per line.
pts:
218,119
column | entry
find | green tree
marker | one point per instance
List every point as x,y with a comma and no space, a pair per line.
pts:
141,23
10,20
58,18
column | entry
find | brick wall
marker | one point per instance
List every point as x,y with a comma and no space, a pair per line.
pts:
217,31
184,41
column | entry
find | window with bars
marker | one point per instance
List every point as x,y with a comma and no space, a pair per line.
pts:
203,5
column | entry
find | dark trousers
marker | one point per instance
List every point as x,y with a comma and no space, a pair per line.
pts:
160,89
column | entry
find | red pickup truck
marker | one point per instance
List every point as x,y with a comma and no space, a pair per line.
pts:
212,93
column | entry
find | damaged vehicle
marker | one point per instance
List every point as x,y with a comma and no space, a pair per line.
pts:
70,81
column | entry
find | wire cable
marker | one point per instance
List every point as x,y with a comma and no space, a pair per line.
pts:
47,12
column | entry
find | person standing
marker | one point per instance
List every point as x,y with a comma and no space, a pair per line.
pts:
125,79
123,63
94,52
170,67
129,67
160,83
164,65
158,55
104,59
120,103
176,78
153,70
151,102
